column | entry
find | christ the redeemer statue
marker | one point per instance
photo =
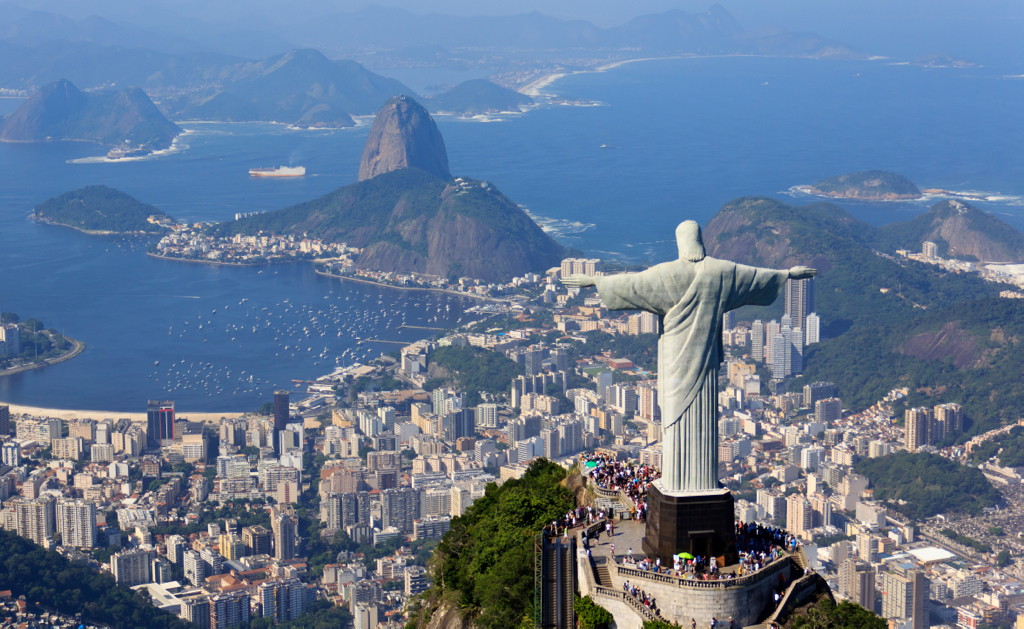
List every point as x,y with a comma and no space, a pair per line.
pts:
690,295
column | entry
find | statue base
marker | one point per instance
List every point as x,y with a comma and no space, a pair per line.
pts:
701,523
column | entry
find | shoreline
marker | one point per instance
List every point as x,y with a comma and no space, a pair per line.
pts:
413,288
533,88
214,262
89,232
68,414
78,349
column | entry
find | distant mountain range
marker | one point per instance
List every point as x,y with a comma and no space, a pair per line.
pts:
408,214
60,111
301,87
676,31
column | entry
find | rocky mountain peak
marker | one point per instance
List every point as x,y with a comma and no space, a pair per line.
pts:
403,135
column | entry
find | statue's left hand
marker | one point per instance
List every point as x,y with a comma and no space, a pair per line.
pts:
802,273
578,281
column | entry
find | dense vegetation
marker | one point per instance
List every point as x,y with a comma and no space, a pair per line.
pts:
485,564
845,615
474,369
867,184
922,485
99,208
51,582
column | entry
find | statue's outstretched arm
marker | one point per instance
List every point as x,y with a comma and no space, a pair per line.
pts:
578,281
802,273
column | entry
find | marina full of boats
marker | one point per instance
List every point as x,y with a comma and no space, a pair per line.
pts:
340,330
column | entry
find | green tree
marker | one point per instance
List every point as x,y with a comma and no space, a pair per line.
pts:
1003,558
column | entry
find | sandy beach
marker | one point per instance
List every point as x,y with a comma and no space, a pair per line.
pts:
65,414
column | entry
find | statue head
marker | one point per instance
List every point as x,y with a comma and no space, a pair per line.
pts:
691,245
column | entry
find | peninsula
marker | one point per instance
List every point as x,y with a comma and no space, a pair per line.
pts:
28,345
868,185
407,214
102,210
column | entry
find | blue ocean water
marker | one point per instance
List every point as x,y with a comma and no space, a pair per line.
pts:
689,134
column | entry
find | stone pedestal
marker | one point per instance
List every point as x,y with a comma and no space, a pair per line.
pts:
699,523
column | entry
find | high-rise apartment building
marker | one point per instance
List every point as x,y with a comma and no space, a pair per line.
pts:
284,536
799,301
36,519
159,423
175,545
828,410
818,391
487,416
130,567
11,454
76,523
194,567
779,353
813,330
229,610
728,321
857,582
905,595
281,402
534,360
770,330
256,540
757,341
799,515
5,420
917,424
929,249
400,507
797,351
282,599
951,417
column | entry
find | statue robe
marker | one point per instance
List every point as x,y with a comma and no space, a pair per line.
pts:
690,299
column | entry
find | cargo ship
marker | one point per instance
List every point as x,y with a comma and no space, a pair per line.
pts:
283,171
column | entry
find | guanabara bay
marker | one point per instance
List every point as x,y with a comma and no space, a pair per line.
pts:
454,316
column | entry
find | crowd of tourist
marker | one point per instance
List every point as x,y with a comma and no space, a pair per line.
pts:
645,599
632,480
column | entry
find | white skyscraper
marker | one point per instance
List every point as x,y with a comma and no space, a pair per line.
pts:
797,338
770,330
757,341
779,350
813,334
787,354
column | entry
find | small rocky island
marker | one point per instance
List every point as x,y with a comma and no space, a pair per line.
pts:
868,185
102,210
126,120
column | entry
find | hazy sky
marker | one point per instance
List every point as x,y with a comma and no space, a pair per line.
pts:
983,30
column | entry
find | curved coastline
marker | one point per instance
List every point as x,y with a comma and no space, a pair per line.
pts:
78,349
411,288
214,262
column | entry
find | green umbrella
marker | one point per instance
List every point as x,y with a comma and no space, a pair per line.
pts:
591,464
685,555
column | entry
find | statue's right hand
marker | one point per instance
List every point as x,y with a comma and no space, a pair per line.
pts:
578,281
